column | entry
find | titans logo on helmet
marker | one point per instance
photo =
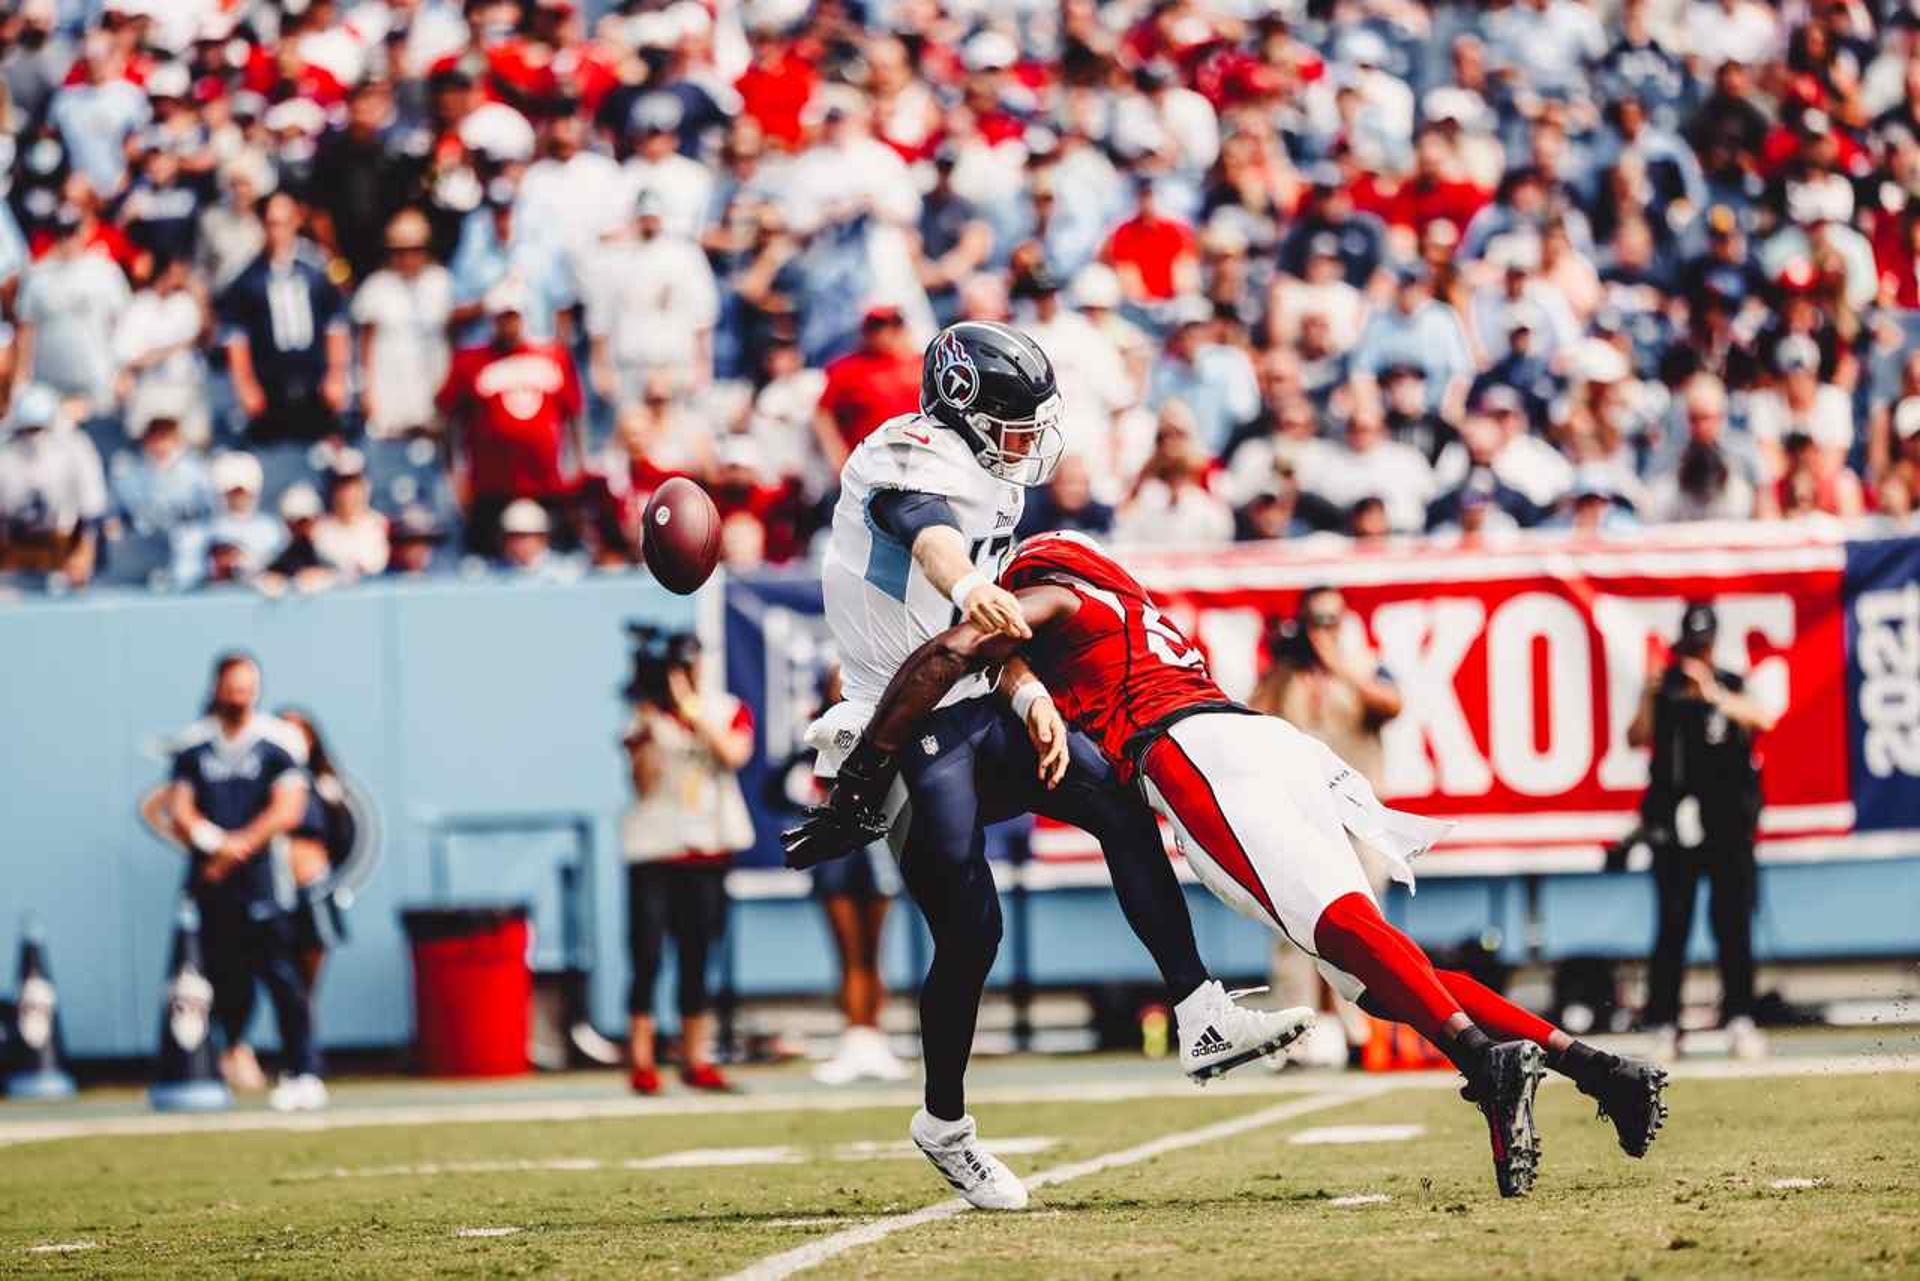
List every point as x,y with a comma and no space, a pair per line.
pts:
954,372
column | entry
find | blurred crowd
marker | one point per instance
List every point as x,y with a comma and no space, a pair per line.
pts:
302,291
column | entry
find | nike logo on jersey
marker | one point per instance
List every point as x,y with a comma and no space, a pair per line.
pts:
916,437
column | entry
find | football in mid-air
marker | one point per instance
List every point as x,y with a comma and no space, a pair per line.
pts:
682,538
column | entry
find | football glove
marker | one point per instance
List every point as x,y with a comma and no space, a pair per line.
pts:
854,815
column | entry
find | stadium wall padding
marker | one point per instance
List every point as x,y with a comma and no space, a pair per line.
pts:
469,697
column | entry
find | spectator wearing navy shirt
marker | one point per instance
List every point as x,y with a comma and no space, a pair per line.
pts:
286,341
239,783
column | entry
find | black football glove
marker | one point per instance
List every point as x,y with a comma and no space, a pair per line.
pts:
854,816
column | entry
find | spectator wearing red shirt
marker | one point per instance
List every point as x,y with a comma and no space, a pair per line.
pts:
880,380
758,517
512,402
1429,194
776,86
1154,255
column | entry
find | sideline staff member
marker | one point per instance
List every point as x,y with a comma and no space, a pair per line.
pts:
1700,813
239,781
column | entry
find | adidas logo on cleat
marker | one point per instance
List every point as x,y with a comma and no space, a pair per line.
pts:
1209,1042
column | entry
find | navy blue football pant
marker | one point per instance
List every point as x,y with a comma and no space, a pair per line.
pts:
968,765
244,944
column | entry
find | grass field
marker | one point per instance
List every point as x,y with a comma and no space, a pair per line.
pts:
1800,1175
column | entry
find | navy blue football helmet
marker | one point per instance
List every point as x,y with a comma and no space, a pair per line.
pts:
995,387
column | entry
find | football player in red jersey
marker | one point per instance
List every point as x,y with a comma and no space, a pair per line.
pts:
1266,817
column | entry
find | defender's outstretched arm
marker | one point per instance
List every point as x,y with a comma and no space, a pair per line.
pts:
930,671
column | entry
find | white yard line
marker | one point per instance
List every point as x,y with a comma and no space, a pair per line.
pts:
813,1253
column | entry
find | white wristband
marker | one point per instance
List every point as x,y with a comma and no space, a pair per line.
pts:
964,588
206,837
1029,693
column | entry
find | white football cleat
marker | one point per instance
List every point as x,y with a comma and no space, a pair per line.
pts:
1217,1035
304,1093
844,1067
975,1173
1745,1041
875,1056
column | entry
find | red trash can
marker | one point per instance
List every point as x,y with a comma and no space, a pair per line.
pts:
472,989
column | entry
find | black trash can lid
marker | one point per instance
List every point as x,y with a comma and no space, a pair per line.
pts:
459,920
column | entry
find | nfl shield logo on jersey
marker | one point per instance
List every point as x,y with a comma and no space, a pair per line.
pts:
954,372
930,745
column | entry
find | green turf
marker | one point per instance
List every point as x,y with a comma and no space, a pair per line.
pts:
261,1204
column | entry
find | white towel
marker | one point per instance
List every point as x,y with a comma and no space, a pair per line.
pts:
1395,835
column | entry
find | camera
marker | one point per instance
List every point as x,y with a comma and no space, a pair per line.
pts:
655,654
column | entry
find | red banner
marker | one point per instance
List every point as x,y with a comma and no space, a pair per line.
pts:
1522,666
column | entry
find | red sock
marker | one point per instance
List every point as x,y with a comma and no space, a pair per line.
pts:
1495,1014
1400,980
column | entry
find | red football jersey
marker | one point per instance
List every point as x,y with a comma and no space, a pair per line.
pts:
1117,666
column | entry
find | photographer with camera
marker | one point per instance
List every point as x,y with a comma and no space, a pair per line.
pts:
687,820
1699,817
1329,684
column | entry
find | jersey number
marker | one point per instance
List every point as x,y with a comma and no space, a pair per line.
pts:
1164,640
986,554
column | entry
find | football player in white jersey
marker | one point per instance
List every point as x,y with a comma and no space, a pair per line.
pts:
925,518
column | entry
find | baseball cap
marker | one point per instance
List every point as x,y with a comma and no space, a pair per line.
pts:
1498,399
1906,417
1324,244
347,463
1797,353
881,313
655,113
300,502
1699,623
739,450
168,80
35,409
648,204
507,296
235,470
989,51
416,525
524,516
1096,287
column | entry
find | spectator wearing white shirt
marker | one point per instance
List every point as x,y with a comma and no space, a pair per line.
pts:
53,492
401,313
1094,385
1800,404
1172,505
231,233
350,535
164,485
780,421
69,307
1322,291
157,346
1370,464
684,185
651,305
1742,31
1520,460
575,196
239,536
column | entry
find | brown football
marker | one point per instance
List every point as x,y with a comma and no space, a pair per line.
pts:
682,535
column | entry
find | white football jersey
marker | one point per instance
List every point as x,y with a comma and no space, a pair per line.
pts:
880,605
